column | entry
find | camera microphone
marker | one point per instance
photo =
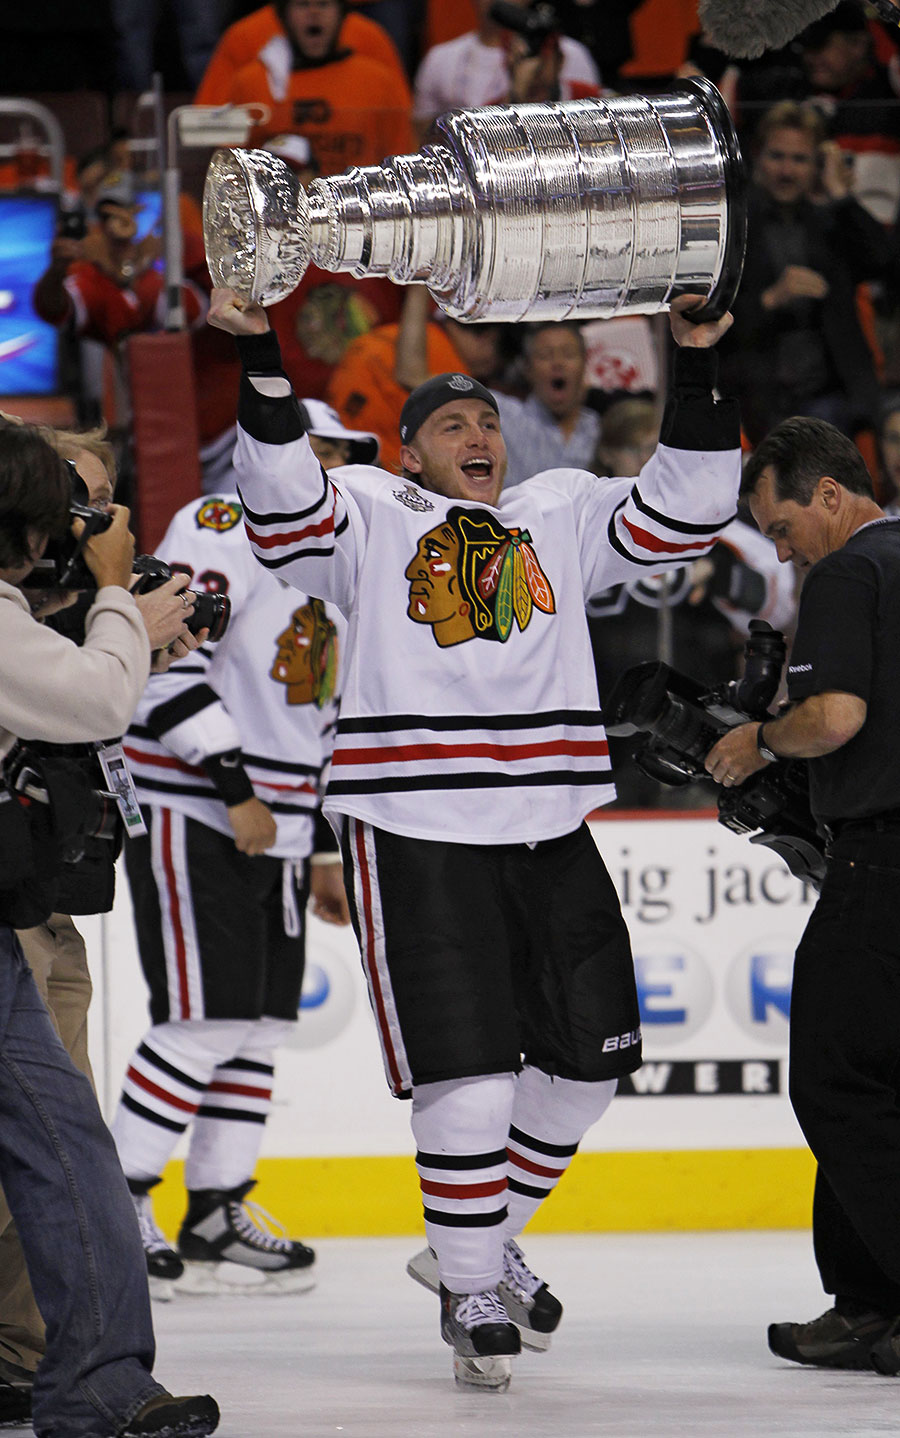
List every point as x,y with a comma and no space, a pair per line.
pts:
746,28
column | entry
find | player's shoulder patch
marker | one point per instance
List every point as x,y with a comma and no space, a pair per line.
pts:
218,514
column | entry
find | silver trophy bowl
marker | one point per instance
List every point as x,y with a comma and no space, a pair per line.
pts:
587,208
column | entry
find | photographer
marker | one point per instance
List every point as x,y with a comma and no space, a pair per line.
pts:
494,64
58,1165
55,949
810,492
105,284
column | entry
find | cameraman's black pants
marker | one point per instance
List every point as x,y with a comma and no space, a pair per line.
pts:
845,1066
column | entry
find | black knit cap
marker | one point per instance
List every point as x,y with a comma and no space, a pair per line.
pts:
440,389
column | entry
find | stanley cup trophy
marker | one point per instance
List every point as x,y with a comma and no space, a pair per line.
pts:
587,208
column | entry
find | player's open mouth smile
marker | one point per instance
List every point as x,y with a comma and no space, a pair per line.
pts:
478,470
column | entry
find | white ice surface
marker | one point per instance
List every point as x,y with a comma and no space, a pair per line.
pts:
663,1336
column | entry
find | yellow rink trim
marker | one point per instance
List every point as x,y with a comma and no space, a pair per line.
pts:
602,1192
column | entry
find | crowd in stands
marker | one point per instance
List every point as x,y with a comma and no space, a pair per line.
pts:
339,84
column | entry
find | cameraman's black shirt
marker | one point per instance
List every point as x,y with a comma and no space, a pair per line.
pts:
848,639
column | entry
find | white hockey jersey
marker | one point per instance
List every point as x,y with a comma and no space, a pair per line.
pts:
777,603
267,687
469,707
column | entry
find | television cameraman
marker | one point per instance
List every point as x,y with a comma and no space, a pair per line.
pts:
58,1166
810,492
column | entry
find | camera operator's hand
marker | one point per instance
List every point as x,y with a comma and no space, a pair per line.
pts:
186,642
253,826
696,336
327,895
108,555
735,757
230,311
164,611
50,601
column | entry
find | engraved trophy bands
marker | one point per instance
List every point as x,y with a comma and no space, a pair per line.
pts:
591,208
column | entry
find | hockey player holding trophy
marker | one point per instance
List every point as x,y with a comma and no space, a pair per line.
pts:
470,745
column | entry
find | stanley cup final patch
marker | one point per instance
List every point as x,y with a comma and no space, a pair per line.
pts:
413,498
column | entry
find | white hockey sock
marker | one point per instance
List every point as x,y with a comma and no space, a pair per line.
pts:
227,1132
164,1086
460,1127
550,1117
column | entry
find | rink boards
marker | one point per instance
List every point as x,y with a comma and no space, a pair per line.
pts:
701,1137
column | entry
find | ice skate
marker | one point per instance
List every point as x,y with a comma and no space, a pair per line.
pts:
164,1267
477,1327
226,1250
532,1307
528,1301
833,1340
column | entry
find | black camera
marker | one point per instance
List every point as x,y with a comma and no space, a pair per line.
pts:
72,225
535,22
211,611
63,565
682,720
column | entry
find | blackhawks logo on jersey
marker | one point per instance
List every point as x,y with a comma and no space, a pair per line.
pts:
218,514
473,579
306,661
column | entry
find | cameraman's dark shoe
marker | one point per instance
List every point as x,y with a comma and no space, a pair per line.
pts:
15,1404
168,1417
833,1340
885,1354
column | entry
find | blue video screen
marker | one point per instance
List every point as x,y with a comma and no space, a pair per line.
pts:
28,347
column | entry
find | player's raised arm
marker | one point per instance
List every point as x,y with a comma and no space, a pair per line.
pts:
301,526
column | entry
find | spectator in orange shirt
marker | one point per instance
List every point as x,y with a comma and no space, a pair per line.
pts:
346,104
261,36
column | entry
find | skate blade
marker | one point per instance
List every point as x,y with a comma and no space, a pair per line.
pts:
537,1342
423,1268
238,1280
490,1373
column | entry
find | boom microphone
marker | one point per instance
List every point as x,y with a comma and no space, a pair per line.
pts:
746,28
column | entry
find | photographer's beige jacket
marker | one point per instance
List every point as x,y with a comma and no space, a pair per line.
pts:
54,690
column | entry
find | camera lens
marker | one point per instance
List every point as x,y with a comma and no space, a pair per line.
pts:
212,612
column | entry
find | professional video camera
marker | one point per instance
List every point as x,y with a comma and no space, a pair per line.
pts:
63,566
683,720
535,22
